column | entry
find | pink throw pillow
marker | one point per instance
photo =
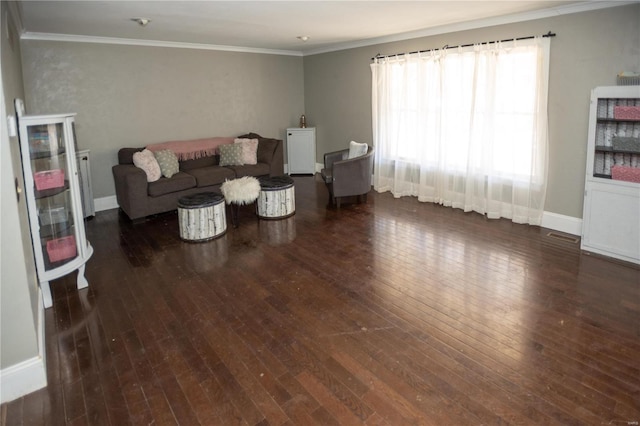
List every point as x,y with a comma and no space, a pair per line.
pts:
249,150
147,162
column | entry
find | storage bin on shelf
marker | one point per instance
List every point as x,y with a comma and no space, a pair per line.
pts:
625,173
53,215
626,112
625,144
61,248
49,179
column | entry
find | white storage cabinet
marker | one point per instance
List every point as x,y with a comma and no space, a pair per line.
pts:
301,150
53,198
611,215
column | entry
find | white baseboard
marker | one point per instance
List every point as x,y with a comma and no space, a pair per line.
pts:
318,167
105,203
29,375
558,222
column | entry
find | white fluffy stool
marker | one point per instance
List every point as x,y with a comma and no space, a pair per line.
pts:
241,191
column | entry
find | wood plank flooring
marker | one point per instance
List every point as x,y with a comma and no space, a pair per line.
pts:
393,312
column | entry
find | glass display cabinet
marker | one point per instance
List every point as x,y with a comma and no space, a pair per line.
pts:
60,246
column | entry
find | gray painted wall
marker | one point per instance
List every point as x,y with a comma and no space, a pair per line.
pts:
590,49
18,282
135,95
131,96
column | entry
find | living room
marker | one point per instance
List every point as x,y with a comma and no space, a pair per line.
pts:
133,95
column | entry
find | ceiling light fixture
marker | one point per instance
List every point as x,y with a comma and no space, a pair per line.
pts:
303,38
141,21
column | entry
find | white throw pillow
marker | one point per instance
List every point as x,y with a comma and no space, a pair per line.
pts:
249,150
357,149
147,162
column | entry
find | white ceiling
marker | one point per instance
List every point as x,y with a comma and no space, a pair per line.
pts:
274,25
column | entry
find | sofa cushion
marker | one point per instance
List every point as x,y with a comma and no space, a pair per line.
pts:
266,149
178,182
212,175
260,169
125,155
187,165
250,136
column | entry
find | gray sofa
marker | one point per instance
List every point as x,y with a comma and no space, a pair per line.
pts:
138,198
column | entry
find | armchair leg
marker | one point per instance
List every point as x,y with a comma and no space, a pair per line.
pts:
338,203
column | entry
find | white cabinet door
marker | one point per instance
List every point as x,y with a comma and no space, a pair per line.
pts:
612,220
301,150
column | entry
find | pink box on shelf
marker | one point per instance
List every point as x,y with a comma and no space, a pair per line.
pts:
628,174
626,112
49,179
61,248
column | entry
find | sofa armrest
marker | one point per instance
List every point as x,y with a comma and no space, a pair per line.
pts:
131,189
332,157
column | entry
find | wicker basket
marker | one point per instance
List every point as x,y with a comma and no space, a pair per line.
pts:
626,112
53,215
61,248
628,174
625,144
49,179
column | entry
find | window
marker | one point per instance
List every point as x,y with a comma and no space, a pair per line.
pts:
464,127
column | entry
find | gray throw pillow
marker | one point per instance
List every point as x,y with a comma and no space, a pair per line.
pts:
231,154
168,162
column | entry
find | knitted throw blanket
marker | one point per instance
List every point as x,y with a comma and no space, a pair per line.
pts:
190,150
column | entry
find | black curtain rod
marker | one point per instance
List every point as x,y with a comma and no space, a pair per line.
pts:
446,46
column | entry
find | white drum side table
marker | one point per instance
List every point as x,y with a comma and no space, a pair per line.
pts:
277,199
202,216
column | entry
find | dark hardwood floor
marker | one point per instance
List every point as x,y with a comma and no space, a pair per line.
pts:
393,312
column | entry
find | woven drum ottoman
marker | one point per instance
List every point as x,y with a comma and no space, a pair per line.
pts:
277,198
202,216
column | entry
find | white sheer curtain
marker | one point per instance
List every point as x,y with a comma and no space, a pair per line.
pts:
465,127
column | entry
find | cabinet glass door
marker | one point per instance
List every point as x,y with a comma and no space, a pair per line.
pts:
617,144
51,174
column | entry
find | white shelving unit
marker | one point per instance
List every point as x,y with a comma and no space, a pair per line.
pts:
611,215
53,197
301,150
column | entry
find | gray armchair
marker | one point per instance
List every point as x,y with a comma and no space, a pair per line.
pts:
346,177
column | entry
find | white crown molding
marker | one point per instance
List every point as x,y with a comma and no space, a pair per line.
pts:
28,35
480,23
584,6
